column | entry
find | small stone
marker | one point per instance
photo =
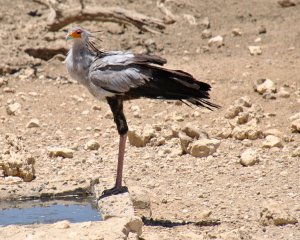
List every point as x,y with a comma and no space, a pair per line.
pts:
205,22
257,40
3,81
295,126
249,157
296,152
185,141
203,147
206,33
9,90
194,132
140,137
255,50
262,29
246,132
236,32
96,108
272,141
13,180
140,197
175,130
287,3
243,102
33,123
217,41
265,86
92,145
233,111
274,214
274,132
242,118
190,19
295,117
62,224
60,152
225,132
283,93
13,108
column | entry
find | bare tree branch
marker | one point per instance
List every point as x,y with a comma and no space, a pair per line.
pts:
58,18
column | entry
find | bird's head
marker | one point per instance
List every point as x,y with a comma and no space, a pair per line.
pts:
78,33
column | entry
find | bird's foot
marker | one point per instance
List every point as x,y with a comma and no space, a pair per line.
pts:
114,191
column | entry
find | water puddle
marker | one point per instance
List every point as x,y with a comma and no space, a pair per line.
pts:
49,211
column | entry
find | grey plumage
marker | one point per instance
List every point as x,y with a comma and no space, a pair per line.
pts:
117,76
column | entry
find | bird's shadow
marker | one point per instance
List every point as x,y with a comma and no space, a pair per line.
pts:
170,224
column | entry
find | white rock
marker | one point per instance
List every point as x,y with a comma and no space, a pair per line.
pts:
236,32
217,41
13,108
140,137
265,85
92,145
185,141
246,132
60,152
295,126
33,123
255,50
3,81
205,22
243,102
283,93
233,111
274,132
295,117
296,152
203,147
194,132
272,141
206,33
249,157
140,197
62,224
190,18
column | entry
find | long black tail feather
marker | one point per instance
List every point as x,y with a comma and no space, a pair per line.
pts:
174,85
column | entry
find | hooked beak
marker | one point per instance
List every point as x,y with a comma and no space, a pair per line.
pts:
69,36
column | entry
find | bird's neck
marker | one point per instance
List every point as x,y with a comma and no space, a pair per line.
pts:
80,52
78,61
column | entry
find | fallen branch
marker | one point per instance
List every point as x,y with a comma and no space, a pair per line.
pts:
58,19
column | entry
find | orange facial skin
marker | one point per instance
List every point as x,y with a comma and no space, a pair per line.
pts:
75,34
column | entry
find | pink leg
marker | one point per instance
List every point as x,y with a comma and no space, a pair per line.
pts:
122,144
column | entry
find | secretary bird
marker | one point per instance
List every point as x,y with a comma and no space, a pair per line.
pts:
117,76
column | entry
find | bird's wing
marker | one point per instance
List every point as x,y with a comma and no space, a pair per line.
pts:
124,74
118,72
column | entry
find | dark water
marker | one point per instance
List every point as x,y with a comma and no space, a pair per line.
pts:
29,212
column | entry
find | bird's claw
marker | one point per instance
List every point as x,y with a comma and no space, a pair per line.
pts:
114,191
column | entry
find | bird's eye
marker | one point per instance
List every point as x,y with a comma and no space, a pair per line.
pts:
78,31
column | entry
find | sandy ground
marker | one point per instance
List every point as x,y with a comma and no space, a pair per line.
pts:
182,188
